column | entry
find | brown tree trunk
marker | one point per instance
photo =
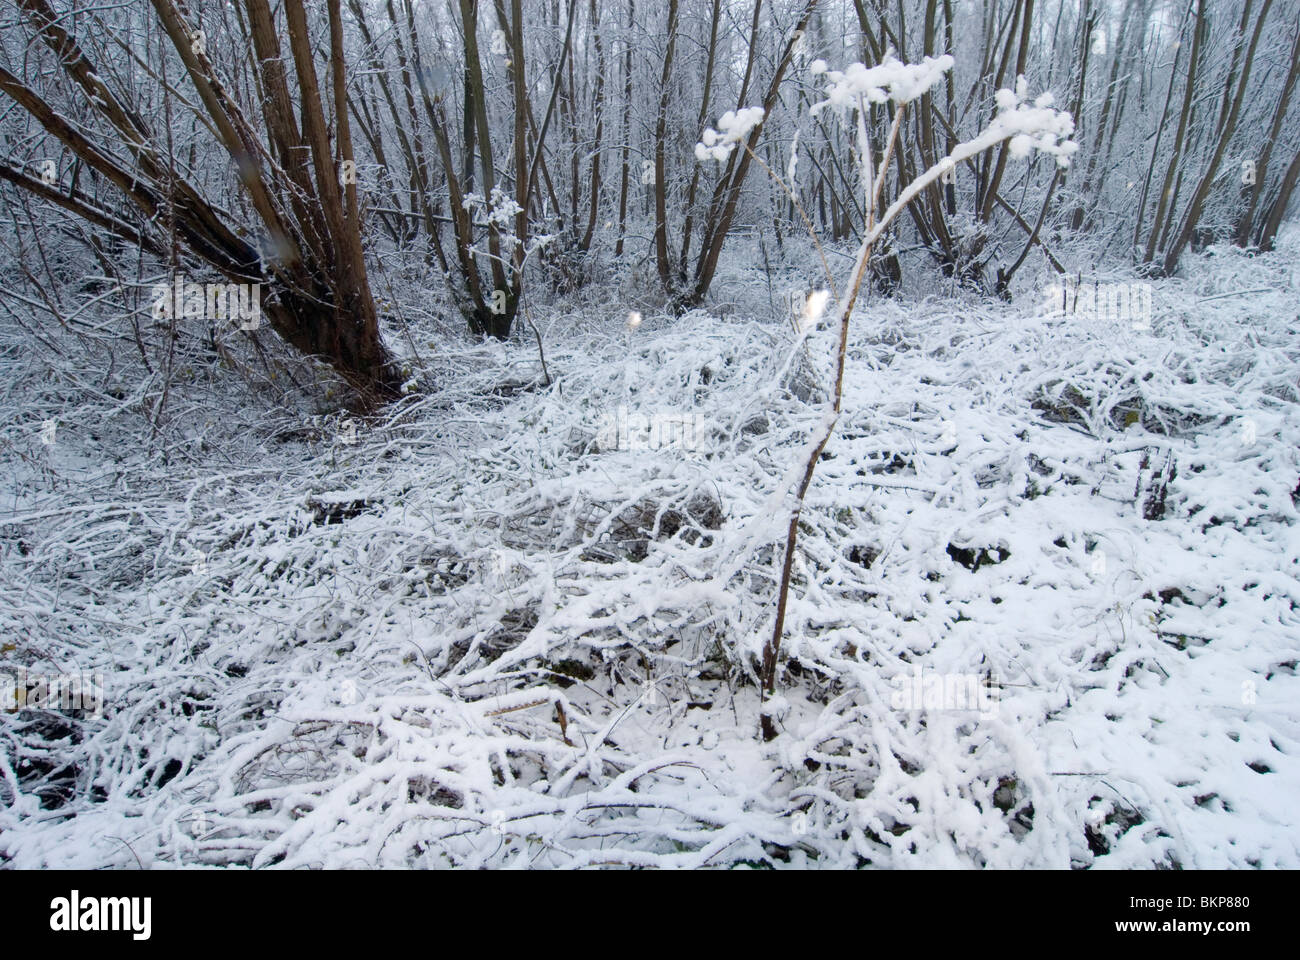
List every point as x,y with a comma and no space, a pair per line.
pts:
323,305
661,178
599,107
1166,189
627,133
724,210
1245,223
1278,208
1229,126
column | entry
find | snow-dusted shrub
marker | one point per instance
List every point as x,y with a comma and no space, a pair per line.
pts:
1028,127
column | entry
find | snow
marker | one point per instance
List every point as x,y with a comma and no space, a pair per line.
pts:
1045,606
367,670
1033,127
890,80
733,126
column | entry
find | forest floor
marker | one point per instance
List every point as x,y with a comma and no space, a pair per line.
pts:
1045,611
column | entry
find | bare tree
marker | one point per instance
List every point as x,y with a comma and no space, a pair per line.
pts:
297,180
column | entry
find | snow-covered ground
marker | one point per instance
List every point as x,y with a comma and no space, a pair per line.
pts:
499,630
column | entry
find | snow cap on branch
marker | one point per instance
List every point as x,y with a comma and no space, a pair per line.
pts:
733,126
1033,127
890,80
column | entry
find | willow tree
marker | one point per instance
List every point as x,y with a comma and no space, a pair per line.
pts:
285,142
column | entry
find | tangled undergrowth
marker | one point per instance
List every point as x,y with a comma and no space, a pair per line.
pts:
498,630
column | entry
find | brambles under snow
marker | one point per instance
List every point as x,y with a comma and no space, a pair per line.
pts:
321,653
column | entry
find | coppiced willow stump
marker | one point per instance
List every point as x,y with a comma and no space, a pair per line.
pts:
298,180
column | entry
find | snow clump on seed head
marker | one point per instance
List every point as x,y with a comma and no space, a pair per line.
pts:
1033,127
890,80
733,126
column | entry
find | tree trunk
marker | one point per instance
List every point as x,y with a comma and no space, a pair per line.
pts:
314,261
